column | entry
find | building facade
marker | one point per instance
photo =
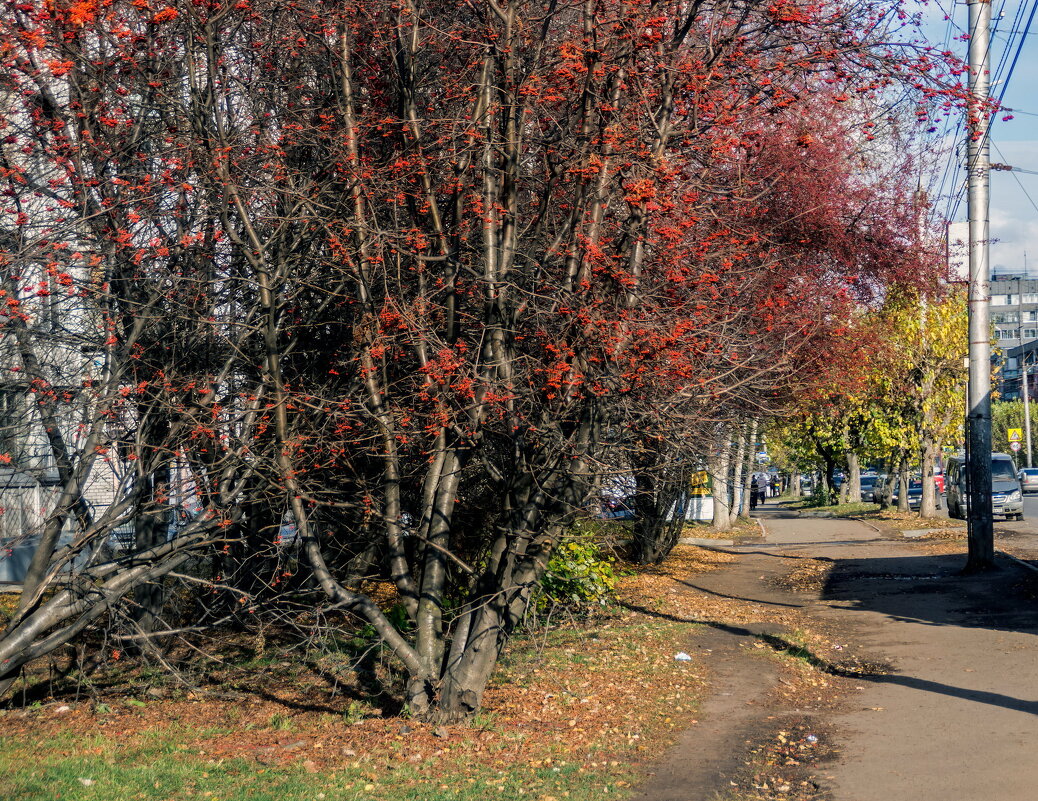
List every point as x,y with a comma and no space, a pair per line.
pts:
1014,317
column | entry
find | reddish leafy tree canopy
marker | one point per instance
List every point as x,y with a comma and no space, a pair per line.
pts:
408,275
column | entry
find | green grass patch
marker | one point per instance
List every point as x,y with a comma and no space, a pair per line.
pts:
834,510
92,768
574,712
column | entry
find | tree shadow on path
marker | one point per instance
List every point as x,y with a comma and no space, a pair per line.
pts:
932,590
925,590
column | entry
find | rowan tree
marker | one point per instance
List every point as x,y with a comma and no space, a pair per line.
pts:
379,291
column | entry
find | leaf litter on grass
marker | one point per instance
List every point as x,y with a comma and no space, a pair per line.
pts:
572,712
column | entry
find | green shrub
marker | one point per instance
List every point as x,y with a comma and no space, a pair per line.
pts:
821,496
579,576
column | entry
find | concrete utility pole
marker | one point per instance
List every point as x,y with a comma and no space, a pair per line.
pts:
1027,383
981,535
1027,406
1025,389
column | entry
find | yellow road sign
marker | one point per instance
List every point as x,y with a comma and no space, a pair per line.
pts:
699,484
1016,435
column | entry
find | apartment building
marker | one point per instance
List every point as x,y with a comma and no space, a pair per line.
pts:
1014,316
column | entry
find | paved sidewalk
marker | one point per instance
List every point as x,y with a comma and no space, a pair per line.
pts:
956,719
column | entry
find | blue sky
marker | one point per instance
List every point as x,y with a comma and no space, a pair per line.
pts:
1014,196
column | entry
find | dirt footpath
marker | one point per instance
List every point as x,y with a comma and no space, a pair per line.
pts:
952,716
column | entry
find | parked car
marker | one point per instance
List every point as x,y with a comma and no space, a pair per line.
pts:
915,494
1028,478
938,479
879,488
618,509
1006,495
867,485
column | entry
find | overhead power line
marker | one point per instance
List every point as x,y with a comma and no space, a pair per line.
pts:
1013,171
1019,49
1010,168
1015,30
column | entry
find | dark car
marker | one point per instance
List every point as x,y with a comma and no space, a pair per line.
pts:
1006,497
1028,479
868,484
915,495
879,487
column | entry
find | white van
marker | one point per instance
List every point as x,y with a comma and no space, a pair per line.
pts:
1006,497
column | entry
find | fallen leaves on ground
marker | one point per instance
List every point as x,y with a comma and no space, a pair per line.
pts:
580,708
783,764
910,521
599,698
743,528
807,575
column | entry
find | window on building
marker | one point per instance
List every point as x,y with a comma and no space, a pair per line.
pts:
1004,317
1001,300
1030,333
14,424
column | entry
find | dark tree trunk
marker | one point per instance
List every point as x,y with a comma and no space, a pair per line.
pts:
902,487
648,519
256,558
149,531
889,482
658,488
519,559
828,475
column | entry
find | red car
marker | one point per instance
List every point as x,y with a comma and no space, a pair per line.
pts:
938,480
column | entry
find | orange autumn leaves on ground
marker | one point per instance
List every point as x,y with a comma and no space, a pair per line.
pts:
605,695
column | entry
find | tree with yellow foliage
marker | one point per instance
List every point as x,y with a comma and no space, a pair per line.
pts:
904,401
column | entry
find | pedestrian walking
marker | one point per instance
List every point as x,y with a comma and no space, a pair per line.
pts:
762,485
754,489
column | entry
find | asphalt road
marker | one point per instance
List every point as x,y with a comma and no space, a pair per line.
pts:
1030,521
1027,526
956,717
